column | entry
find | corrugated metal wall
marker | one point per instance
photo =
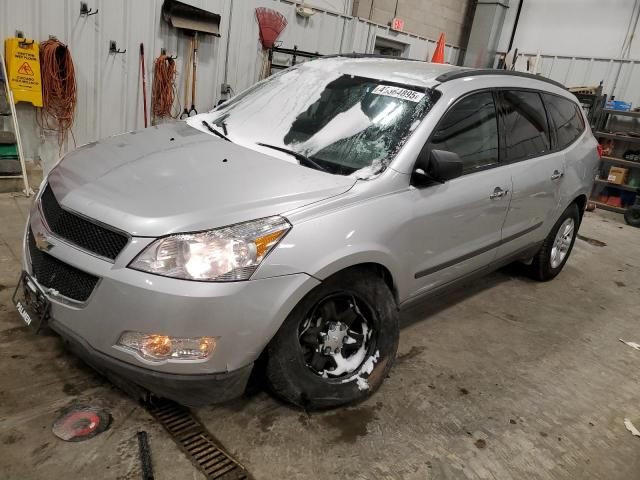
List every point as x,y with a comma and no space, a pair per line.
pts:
109,93
585,71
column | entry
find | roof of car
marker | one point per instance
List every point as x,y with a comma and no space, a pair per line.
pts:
416,72
393,69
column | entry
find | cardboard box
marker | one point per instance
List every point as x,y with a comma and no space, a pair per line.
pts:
618,175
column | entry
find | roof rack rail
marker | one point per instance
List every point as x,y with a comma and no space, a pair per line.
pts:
369,55
472,72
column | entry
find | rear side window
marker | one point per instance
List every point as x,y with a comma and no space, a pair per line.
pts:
525,125
567,119
470,129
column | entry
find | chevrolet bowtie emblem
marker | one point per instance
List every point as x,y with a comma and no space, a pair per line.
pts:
42,243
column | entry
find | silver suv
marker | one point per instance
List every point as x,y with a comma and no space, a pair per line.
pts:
282,231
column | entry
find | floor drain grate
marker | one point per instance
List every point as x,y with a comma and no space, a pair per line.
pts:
196,442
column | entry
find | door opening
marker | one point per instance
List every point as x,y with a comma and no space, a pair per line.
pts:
384,46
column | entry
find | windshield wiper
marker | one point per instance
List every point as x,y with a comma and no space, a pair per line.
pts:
215,132
303,159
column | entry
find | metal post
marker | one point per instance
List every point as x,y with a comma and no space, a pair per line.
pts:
485,33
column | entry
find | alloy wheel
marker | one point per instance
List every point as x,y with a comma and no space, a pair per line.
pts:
562,242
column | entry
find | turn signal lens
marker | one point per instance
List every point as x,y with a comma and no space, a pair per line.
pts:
163,347
264,244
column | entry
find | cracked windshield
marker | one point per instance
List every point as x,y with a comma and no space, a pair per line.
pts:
324,118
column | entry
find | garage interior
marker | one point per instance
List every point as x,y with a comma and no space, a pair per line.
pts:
502,378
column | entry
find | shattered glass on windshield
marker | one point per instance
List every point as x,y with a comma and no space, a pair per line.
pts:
345,124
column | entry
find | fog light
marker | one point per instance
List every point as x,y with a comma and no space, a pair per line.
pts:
163,347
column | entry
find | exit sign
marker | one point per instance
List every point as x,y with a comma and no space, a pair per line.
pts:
397,24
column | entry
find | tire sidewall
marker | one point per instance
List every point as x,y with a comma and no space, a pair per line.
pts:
570,212
632,216
298,384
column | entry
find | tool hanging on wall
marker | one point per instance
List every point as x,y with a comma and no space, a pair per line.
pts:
271,24
58,89
192,21
191,68
164,87
188,69
194,76
144,84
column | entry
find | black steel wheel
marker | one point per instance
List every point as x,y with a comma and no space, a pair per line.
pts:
338,344
336,337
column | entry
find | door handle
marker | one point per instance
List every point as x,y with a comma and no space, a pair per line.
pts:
498,193
556,175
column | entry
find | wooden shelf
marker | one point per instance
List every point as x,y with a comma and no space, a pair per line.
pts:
621,161
616,185
619,112
604,206
613,136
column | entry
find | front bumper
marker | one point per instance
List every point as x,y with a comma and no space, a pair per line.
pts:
242,316
189,390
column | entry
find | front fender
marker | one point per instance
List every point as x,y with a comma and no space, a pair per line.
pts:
370,231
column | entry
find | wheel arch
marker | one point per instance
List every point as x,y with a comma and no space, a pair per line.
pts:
377,269
581,202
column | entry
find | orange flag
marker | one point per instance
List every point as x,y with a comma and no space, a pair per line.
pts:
438,54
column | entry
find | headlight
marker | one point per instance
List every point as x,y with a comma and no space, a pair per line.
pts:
223,255
161,347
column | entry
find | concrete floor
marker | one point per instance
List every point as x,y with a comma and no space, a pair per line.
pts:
505,379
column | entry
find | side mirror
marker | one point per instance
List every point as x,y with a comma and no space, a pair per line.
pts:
436,166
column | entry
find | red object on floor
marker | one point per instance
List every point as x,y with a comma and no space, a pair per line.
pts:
438,54
81,422
271,24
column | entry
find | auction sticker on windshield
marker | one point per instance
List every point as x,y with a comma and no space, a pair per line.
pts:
397,92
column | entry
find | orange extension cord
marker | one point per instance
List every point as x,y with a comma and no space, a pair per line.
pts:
164,87
59,93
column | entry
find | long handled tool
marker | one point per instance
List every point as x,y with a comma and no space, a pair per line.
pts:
144,84
187,71
194,75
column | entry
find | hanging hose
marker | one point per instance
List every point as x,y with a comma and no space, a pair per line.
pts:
164,87
59,93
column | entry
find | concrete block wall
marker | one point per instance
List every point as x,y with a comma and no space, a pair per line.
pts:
423,17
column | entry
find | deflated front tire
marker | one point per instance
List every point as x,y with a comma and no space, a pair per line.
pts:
338,344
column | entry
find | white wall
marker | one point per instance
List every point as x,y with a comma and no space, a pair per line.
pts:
579,42
589,28
109,92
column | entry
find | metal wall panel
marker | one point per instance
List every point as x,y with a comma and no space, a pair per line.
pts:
590,71
109,93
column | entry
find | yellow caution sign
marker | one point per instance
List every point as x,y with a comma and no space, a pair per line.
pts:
23,69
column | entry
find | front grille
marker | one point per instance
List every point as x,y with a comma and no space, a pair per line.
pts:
53,273
79,231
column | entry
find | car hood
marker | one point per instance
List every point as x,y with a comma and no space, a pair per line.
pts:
174,178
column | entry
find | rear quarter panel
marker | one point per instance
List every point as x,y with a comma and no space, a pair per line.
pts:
581,161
